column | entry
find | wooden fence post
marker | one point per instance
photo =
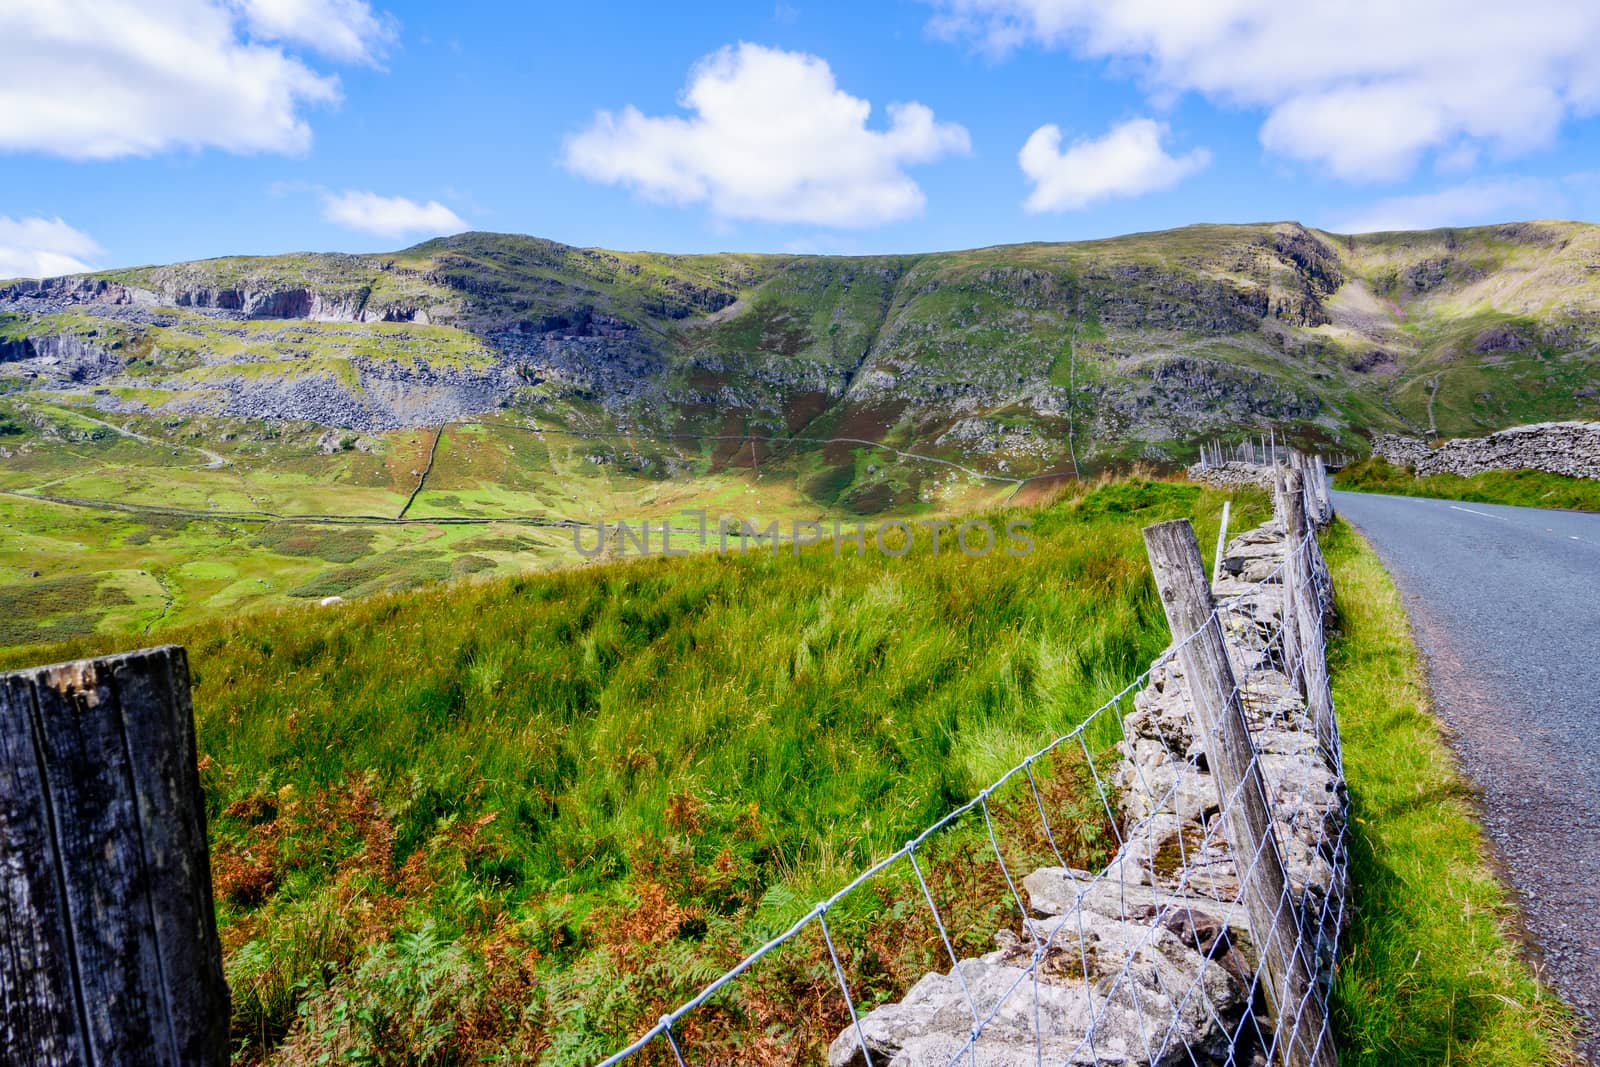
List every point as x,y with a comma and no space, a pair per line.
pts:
1222,542
1289,639
1303,608
1319,471
1181,581
108,940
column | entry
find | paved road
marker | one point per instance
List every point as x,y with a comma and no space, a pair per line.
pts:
1506,605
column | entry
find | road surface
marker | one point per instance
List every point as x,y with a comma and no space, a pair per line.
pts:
1506,606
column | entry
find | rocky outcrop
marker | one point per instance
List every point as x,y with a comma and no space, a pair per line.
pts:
1311,257
1373,361
190,286
1500,339
78,289
1570,448
273,303
1143,296
62,358
1149,962
386,397
982,436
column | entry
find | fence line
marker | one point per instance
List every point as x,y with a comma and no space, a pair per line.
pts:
1263,451
1209,937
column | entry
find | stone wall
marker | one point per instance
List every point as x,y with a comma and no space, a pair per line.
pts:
1570,448
1232,475
1152,956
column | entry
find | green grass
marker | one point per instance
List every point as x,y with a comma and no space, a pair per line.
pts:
1430,973
177,572
53,609
1533,489
516,820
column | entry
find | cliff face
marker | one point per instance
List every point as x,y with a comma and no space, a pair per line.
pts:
1137,344
71,358
262,300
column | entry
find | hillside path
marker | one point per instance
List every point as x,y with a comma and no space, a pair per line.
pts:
215,462
1505,603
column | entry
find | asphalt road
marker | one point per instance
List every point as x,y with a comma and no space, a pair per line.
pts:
1506,606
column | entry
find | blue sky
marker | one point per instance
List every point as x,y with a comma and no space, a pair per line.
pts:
160,130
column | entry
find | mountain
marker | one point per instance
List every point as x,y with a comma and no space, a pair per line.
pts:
1038,356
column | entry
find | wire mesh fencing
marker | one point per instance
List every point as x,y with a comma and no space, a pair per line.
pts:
1163,884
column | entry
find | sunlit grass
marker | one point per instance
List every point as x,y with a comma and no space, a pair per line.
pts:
589,791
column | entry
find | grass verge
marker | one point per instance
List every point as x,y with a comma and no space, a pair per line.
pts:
1430,973
1532,489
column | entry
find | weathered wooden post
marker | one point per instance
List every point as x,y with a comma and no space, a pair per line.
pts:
1319,471
1303,607
108,939
1289,640
1181,581
1222,543
1289,508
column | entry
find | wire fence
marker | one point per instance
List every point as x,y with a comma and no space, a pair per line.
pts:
1103,901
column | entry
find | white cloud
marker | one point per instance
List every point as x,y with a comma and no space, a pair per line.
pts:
390,216
1363,89
98,79
343,29
771,137
1128,161
1469,204
43,248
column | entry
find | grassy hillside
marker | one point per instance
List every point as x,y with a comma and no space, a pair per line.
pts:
1141,345
1529,489
550,384
517,820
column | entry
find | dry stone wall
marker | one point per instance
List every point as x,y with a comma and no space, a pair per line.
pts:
1570,448
1232,475
1152,956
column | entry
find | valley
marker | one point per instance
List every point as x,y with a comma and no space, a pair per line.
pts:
188,441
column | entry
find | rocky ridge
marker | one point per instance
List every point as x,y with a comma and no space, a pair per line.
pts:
1150,962
1140,343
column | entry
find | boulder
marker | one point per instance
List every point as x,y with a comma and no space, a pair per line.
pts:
1107,990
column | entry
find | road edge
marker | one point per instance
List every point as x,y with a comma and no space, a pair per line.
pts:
1434,970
